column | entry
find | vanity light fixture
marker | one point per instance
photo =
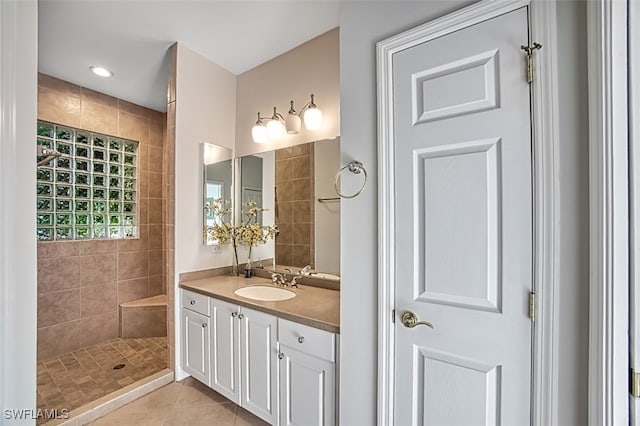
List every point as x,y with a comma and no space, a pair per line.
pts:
100,71
259,132
311,115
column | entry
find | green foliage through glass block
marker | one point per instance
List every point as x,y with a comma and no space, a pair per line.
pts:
44,174
44,234
92,169
45,130
43,204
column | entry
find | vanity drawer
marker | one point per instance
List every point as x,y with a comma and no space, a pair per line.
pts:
319,343
195,302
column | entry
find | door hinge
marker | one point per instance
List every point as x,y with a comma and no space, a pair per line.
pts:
532,306
529,50
393,316
635,384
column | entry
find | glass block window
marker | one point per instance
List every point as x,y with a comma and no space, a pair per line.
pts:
90,191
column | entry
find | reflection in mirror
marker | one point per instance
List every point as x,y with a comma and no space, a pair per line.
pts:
297,189
218,179
257,184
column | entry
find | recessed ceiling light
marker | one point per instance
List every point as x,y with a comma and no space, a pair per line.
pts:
102,72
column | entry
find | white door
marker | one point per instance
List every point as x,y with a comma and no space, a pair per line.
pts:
225,349
307,389
463,232
195,355
258,338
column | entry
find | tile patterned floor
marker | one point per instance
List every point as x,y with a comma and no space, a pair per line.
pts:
181,403
74,379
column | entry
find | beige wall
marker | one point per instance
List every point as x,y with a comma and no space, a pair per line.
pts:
313,67
204,108
81,283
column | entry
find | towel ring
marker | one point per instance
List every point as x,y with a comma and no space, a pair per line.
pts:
354,167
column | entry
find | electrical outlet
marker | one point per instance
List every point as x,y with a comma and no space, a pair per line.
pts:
217,248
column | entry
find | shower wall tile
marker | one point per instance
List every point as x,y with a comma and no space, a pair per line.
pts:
99,118
155,211
97,299
302,211
47,250
136,244
57,85
58,274
133,265
155,160
57,108
98,269
134,127
133,290
143,157
98,246
301,189
156,237
99,328
59,338
81,283
155,185
58,306
156,133
133,109
302,234
156,285
143,184
88,95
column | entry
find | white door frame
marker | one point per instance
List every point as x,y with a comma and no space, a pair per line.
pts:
634,164
18,288
609,209
542,15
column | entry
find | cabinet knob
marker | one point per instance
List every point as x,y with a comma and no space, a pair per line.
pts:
234,314
280,355
204,325
301,339
193,302
241,316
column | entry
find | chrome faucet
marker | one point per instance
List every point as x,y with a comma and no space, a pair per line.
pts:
278,279
304,272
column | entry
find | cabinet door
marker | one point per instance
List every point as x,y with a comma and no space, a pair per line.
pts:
195,347
258,334
225,349
307,389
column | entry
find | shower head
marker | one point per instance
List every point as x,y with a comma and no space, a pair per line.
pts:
48,153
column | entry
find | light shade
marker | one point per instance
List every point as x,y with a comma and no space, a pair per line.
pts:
275,129
259,133
313,118
293,123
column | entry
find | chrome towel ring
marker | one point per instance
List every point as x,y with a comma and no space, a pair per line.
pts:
354,167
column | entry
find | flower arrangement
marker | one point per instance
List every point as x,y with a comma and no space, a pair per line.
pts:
248,233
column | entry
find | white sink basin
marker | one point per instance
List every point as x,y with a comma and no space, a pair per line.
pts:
265,294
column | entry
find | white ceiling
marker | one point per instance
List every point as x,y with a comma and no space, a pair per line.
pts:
131,38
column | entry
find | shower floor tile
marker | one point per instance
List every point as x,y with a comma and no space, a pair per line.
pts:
74,379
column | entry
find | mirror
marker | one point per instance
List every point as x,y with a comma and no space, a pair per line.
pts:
218,180
295,184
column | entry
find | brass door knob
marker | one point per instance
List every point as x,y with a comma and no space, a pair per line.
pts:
410,320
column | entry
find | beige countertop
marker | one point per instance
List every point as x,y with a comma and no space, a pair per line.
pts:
313,306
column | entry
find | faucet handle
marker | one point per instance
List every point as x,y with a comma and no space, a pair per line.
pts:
305,271
276,278
294,281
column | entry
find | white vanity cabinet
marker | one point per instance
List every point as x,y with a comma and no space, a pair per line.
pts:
281,371
307,388
195,335
244,357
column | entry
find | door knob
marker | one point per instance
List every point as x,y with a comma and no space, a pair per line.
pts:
410,320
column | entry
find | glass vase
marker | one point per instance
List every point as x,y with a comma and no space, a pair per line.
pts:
235,269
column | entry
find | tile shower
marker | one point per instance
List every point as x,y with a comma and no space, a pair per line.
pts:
81,283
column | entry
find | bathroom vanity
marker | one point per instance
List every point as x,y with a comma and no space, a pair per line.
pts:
276,359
